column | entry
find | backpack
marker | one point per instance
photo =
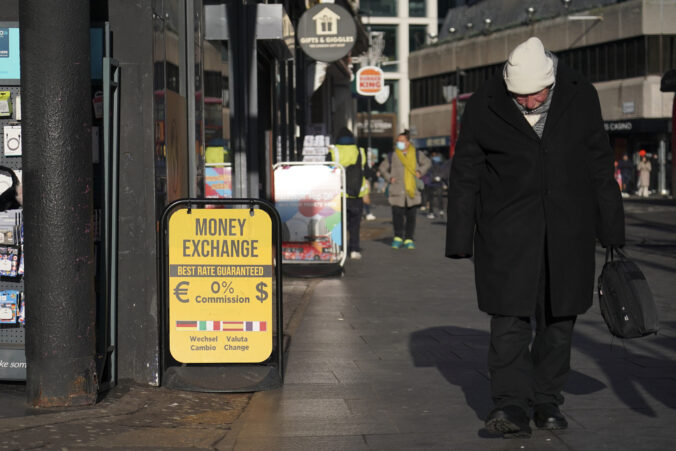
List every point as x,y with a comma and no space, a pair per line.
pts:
354,174
627,305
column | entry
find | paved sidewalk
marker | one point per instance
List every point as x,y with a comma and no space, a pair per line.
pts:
391,356
132,416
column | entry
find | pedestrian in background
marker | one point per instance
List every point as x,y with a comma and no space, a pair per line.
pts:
531,186
627,172
353,159
369,175
644,168
403,168
654,164
618,175
436,182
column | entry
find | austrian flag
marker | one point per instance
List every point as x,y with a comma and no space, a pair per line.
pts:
225,326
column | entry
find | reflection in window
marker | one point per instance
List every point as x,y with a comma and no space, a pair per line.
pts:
417,35
390,50
416,8
389,106
386,8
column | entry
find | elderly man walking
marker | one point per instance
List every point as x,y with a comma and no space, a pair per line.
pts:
531,188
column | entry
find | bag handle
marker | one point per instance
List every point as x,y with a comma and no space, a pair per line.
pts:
610,250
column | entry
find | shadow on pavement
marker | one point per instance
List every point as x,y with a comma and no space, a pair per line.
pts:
635,367
460,353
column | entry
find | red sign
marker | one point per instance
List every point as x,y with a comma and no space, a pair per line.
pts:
370,80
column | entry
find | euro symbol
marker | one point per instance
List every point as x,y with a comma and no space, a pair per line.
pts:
182,290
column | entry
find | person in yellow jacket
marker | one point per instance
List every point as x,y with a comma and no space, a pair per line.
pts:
216,152
353,159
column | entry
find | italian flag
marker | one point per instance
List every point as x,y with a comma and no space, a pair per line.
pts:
198,325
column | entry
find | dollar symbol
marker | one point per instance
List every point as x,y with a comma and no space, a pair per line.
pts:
263,295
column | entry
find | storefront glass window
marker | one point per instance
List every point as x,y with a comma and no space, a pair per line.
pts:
390,50
388,106
416,8
375,8
417,35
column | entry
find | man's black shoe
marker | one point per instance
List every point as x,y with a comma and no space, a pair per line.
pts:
510,421
548,416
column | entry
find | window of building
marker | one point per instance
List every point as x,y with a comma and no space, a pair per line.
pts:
444,5
633,57
390,50
416,8
386,8
417,36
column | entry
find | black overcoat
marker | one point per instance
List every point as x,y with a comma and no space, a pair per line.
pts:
515,198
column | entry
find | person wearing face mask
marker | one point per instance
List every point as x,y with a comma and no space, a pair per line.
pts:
436,180
402,169
531,190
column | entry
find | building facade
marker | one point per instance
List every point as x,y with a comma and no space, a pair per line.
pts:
405,26
193,74
623,47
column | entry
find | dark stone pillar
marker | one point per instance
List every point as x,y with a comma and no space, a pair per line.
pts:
244,131
131,24
57,173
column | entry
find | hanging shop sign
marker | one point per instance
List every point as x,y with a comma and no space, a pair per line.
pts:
370,80
327,32
383,125
632,126
220,285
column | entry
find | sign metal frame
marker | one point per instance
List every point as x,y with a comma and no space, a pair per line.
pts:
321,268
220,376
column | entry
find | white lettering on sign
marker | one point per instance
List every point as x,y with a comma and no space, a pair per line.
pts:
618,126
6,364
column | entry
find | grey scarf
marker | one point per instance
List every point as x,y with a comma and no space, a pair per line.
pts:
543,109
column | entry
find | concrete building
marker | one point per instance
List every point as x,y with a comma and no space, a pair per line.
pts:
623,47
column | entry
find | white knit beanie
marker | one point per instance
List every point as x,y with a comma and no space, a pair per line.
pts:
528,69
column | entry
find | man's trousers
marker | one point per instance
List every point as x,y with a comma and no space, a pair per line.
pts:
523,374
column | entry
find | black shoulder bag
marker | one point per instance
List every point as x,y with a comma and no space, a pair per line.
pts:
626,302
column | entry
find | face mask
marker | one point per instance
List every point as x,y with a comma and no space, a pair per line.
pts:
401,145
436,159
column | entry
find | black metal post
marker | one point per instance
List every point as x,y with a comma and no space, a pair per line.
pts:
244,112
57,174
291,105
368,101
